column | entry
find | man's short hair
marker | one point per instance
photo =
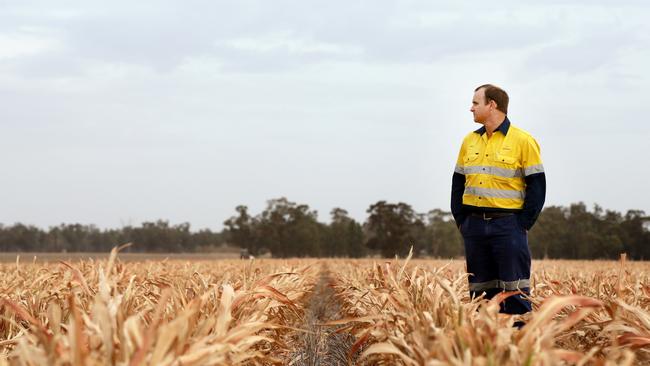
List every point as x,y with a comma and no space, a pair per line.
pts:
498,95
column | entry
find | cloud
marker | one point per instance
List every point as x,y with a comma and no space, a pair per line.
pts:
322,101
581,55
286,42
593,37
257,36
27,43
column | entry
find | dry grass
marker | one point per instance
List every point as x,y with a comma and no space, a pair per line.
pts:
419,313
40,257
396,312
154,313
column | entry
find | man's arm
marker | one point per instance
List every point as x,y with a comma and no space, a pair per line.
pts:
457,190
535,184
534,201
458,187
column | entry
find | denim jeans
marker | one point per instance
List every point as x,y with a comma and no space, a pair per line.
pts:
498,259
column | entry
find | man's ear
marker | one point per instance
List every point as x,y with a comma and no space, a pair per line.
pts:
493,104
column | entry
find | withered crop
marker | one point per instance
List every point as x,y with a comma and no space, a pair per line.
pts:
262,312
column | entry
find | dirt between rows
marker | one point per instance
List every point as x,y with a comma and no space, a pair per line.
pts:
320,344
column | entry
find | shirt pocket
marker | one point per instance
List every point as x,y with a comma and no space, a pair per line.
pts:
471,155
505,168
506,160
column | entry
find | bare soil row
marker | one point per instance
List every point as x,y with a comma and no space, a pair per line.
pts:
319,343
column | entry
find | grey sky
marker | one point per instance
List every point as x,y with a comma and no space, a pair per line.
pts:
120,112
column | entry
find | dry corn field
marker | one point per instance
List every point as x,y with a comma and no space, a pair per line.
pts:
315,312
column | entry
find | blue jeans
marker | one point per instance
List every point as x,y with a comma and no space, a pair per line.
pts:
498,259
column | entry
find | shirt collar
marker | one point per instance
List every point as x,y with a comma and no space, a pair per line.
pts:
503,127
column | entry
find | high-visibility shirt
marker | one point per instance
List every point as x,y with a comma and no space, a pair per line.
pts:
497,174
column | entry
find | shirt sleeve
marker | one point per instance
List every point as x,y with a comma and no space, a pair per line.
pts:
458,187
535,178
531,158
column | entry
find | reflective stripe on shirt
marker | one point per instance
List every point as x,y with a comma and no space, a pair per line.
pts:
496,193
533,169
493,170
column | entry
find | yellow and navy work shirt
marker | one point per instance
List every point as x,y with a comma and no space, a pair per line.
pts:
501,174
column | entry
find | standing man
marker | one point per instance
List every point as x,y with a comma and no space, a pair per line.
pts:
498,190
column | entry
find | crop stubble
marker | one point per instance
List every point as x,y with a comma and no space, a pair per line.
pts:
308,312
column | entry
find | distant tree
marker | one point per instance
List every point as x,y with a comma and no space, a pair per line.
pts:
205,240
577,233
443,238
159,236
391,228
343,237
284,228
549,237
289,229
635,237
21,237
241,228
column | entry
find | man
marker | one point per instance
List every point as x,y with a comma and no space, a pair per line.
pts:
498,190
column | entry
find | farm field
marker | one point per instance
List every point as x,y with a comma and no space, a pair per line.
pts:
26,257
111,311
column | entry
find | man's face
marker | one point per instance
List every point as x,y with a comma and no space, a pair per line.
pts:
480,109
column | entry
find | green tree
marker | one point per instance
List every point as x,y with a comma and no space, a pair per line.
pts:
343,236
241,230
442,235
284,228
391,228
549,237
635,237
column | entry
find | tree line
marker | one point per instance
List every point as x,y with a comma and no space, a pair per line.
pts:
158,236
288,229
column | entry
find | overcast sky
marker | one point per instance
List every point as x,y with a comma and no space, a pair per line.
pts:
119,112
